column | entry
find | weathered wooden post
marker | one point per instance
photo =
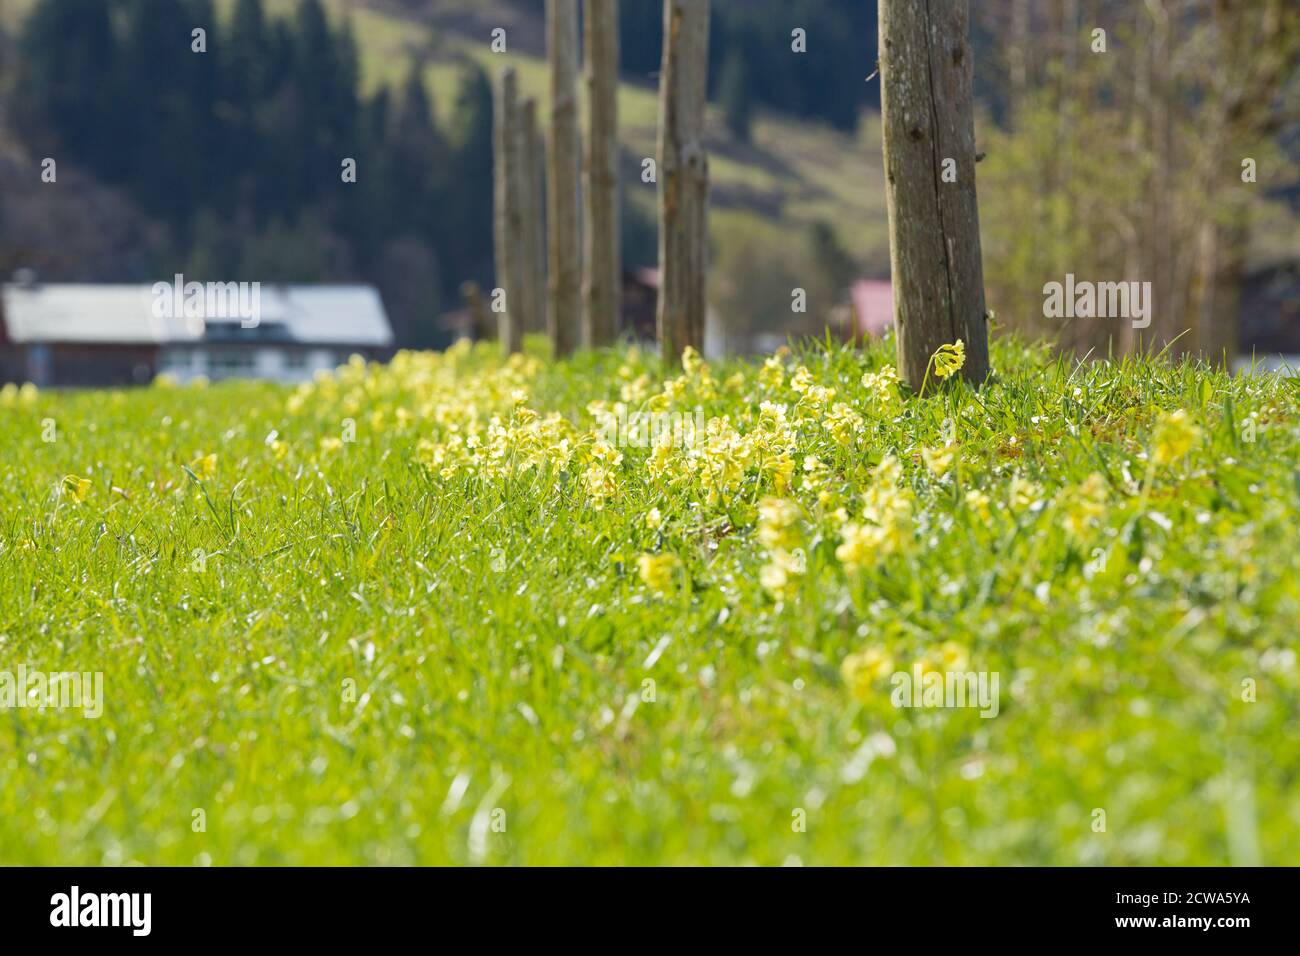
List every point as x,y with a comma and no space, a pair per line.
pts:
563,159
602,269
683,177
508,244
929,143
530,191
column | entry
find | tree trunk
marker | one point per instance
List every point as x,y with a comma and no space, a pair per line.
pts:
509,220
683,177
563,168
927,115
530,189
602,280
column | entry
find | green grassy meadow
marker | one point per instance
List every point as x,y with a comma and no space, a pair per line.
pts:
431,612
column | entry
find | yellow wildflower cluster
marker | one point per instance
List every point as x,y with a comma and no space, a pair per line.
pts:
719,464
11,394
598,479
1175,435
882,390
1023,493
886,526
864,671
939,460
659,571
778,532
1082,505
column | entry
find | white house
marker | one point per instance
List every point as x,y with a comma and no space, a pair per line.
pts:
102,335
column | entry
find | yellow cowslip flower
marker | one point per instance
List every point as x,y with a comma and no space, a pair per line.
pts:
947,657
658,571
842,422
889,471
816,400
706,387
861,546
599,482
636,391
204,466
1175,435
653,519
660,460
330,444
978,502
674,389
692,361
886,504
772,373
939,460
953,656
886,377
862,670
780,577
778,523
27,393
781,467
1083,504
76,488
1023,493
949,359
815,474
802,380
606,454
882,388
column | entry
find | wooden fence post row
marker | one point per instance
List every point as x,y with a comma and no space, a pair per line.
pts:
929,153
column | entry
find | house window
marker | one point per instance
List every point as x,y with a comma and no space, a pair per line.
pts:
231,364
175,361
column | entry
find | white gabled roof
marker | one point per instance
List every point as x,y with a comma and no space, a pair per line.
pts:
124,315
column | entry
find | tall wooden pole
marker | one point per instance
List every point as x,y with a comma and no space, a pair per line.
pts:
602,263
508,223
530,189
683,177
929,140
563,159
